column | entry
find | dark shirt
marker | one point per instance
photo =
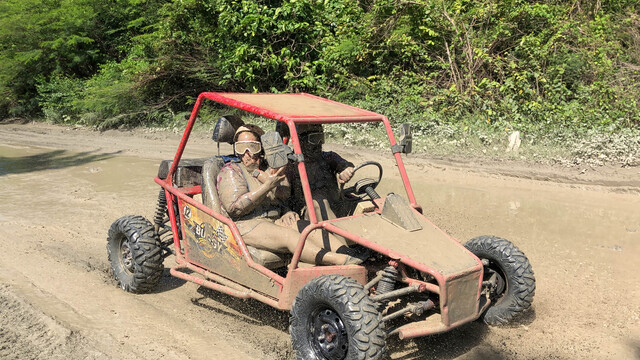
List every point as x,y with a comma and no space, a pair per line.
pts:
322,180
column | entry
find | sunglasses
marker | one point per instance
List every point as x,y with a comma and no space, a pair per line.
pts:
314,138
253,147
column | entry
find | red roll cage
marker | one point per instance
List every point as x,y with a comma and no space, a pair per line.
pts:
292,109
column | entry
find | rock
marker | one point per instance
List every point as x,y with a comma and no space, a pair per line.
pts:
514,141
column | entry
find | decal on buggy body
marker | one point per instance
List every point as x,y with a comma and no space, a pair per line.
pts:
211,236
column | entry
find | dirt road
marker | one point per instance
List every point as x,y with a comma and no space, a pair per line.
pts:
61,188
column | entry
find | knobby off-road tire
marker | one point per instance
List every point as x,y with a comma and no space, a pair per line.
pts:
516,283
333,318
134,254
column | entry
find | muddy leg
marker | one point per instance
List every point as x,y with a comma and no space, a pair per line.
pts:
269,236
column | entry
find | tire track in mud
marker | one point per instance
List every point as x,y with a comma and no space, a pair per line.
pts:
79,300
234,317
61,247
228,315
27,333
240,317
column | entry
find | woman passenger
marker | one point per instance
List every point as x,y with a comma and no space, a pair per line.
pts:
253,197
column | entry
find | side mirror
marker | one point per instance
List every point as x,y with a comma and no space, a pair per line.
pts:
225,128
276,153
405,138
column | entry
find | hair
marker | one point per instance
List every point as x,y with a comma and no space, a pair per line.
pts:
254,129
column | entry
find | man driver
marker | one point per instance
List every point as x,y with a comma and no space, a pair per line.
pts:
323,167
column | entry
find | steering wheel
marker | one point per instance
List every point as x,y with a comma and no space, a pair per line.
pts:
357,190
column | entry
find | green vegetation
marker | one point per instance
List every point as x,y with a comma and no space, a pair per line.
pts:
461,71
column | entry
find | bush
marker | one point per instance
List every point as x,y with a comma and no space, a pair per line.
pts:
454,64
59,98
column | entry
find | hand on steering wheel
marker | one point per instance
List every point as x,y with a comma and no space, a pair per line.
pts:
357,190
345,175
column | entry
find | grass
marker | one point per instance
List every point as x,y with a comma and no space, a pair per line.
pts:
550,145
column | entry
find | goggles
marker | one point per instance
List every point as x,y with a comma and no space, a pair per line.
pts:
314,138
253,147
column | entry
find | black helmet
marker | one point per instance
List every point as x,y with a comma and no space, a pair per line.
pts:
308,128
301,129
310,135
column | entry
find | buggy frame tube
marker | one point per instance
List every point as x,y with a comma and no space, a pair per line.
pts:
220,283
172,219
185,137
303,238
175,271
304,179
401,168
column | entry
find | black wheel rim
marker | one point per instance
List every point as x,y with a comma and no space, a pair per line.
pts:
126,260
502,285
328,335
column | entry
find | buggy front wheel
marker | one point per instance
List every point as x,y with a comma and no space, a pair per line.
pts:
333,318
507,270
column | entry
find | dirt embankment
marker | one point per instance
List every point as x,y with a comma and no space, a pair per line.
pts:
62,188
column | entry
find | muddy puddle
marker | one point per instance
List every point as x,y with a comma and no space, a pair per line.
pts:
103,172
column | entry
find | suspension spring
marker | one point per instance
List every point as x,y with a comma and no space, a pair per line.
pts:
388,281
160,220
161,209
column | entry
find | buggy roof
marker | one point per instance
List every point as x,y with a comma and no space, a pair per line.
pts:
299,107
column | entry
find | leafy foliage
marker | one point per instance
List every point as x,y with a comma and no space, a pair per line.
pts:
490,65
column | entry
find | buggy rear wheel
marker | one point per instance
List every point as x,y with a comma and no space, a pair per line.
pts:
135,254
509,272
333,318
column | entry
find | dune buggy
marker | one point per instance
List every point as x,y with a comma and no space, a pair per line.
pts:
417,281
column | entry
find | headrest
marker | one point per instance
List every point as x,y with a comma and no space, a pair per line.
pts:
225,128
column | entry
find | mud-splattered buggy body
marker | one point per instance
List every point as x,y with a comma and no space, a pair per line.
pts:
417,281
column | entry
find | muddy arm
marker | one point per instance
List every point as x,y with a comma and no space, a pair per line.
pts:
282,191
235,195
